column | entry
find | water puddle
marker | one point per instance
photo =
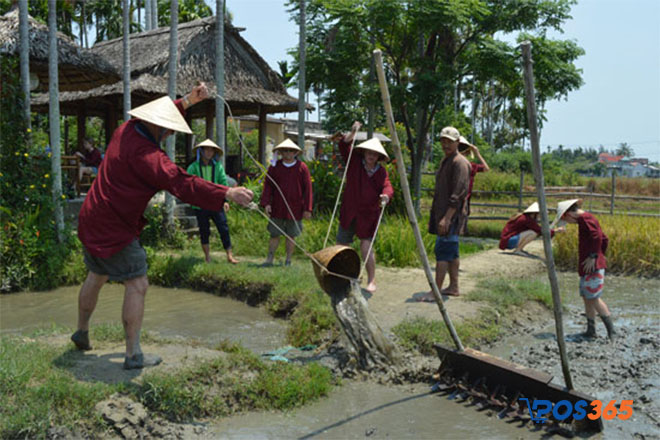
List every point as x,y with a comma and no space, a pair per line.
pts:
170,312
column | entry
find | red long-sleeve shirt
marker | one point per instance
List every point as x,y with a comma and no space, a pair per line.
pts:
517,225
361,201
474,169
296,185
591,241
92,158
133,170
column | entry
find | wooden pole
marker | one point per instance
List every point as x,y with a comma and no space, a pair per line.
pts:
400,166
54,118
537,166
24,56
301,78
520,193
613,190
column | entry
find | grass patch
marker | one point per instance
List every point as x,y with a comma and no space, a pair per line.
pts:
38,391
502,296
234,383
36,394
419,334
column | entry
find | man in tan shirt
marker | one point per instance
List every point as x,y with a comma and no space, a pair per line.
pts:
449,211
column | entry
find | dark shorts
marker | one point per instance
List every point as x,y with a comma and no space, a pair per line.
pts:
292,228
345,236
446,248
128,263
513,242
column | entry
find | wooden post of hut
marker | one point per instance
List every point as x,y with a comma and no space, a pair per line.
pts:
262,134
80,115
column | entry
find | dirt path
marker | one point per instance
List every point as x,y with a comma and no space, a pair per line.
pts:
398,289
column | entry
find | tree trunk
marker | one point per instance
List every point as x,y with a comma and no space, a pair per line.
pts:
154,14
25,60
54,117
126,59
147,15
301,78
220,76
171,90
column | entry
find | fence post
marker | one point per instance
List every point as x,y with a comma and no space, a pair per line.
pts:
520,193
613,191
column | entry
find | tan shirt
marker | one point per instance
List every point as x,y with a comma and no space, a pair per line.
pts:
451,188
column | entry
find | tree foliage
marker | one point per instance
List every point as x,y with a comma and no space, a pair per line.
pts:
443,58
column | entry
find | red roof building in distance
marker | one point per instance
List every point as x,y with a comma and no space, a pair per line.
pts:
608,158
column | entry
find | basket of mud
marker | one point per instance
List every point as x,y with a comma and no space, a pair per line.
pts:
338,259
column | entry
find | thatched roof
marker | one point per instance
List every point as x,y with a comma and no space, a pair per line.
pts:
249,81
79,69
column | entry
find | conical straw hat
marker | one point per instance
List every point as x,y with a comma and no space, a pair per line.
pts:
287,144
374,145
564,206
533,208
465,147
208,143
162,112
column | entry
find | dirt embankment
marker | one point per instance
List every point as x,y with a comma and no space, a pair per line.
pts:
399,289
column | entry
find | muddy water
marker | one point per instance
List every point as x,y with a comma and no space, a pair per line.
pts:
627,368
170,312
367,410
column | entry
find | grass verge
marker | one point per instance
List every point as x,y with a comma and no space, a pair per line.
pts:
502,297
39,391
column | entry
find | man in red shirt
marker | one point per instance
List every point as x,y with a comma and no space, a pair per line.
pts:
368,190
111,218
591,263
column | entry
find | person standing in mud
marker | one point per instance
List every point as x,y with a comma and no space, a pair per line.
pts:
111,218
592,245
209,169
449,212
293,179
368,190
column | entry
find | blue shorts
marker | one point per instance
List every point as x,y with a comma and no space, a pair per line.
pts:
591,285
513,242
446,248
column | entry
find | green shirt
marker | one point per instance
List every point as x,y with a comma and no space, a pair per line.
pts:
206,172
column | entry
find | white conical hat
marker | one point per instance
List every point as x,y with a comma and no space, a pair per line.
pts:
374,144
287,144
564,206
208,143
534,207
162,112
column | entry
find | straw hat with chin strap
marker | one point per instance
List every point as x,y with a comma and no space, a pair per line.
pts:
208,143
163,113
374,145
287,144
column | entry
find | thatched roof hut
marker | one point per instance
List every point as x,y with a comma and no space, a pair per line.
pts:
79,69
250,84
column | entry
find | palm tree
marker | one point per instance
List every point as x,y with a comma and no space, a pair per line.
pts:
54,116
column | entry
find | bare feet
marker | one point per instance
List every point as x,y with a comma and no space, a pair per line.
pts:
231,258
450,292
371,287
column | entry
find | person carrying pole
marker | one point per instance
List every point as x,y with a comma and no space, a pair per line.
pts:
592,245
212,170
368,190
112,215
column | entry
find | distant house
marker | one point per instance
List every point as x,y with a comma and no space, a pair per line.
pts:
629,167
608,159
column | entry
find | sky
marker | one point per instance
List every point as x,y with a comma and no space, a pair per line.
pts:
619,101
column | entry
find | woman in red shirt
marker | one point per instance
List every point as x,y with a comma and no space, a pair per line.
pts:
469,151
368,189
522,229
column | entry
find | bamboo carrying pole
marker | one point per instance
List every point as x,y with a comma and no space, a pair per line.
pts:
408,199
538,177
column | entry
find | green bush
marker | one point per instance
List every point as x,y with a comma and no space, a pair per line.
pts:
157,234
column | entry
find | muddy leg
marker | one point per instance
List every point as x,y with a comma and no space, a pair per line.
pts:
526,237
453,278
272,247
370,265
290,247
133,311
87,299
